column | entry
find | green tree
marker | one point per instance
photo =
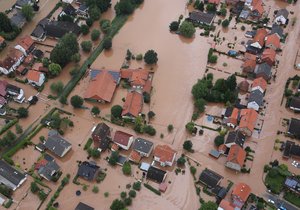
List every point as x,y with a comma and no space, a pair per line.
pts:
105,25
128,201
209,206
231,82
95,111
84,29
193,170
123,194
54,69
174,26
187,29
124,7
113,158
132,193
34,187
225,23
211,7
19,129
188,145
95,189
103,5
107,43
22,112
94,152
116,111
94,13
89,22
76,101
5,24
57,87
86,46
150,57
190,126
181,161
95,34
136,186
219,140
170,127
27,11
126,168
42,195
200,105
151,114
76,57
223,11
150,130
199,5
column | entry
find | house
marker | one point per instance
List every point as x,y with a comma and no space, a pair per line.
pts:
244,86
293,129
18,20
68,10
277,30
281,17
272,41
235,138
225,205
83,206
263,70
259,84
249,66
255,100
293,184
295,104
134,156
232,120
35,78
257,9
123,140
10,176
143,147
88,170
235,158
133,105
139,79
11,61
210,178
101,136
101,88
25,45
6,66
57,29
83,11
240,194
247,121
199,17
216,2
16,92
164,154
269,56
156,174
259,38
291,150
28,60
20,3
39,33
49,170
57,144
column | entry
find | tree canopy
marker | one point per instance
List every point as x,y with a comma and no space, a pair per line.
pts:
54,69
95,34
150,57
187,29
124,7
174,26
219,140
188,145
103,5
27,11
105,25
126,168
117,205
5,24
22,112
76,101
86,46
116,111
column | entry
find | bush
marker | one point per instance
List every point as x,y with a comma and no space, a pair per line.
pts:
76,101
243,28
34,187
86,46
116,111
187,29
150,57
132,193
22,112
126,168
193,170
136,186
95,34
42,195
188,145
190,126
123,194
117,205
181,161
89,22
84,29
150,130
105,26
95,111
174,26
57,87
128,201
139,57
107,43
219,140
225,23
113,158
157,192
95,189
19,129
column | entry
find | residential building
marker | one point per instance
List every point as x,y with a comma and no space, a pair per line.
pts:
269,56
135,156
143,147
83,11
139,79
35,78
259,38
10,176
25,45
232,120
164,154
88,170
295,104
293,184
57,144
255,100
257,9
39,67
123,140
18,19
291,150
240,194
156,174
199,17
133,105
225,205
244,86
247,121
68,10
235,158
249,66
101,136
101,88
272,41
83,206
259,84
293,129
20,3
16,92
235,138
49,170
281,17
263,70
7,65
210,178
278,30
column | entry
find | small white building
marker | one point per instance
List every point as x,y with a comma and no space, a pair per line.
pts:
281,17
165,155
35,78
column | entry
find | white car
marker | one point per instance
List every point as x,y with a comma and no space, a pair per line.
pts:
271,201
295,163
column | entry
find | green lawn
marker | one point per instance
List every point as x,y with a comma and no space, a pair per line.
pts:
292,198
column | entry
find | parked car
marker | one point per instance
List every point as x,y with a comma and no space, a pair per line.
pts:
271,201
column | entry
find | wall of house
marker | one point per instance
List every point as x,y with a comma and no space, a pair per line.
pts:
233,166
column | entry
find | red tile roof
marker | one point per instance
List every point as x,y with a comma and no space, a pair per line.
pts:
260,82
248,119
137,77
122,138
226,205
242,191
249,56
7,63
244,85
15,54
114,147
257,5
260,36
102,87
272,39
214,1
135,156
133,104
269,56
164,153
20,69
33,75
26,42
236,155
3,85
28,59
234,116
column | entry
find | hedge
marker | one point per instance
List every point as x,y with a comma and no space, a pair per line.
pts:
88,144
157,192
8,126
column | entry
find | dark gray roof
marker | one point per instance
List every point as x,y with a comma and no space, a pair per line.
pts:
202,17
114,74
294,127
264,69
83,206
295,102
13,88
256,96
292,183
49,169
21,3
228,111
295,150
38,32
276,29
58,29
10,173
121,160
283,12
69,10
102,131
287,149
210,178
18,19
156,174
235,137
88,170
57,144
142,145
83,7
